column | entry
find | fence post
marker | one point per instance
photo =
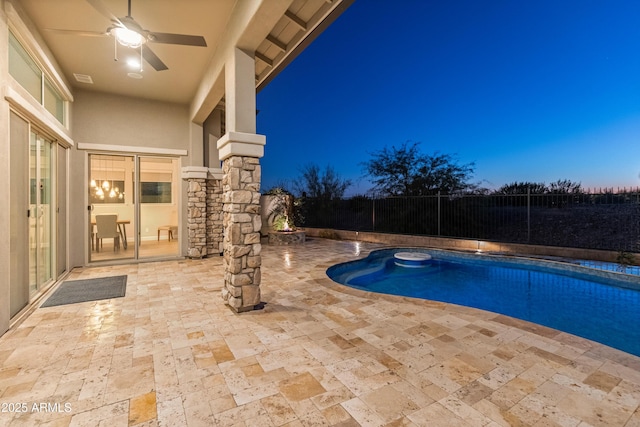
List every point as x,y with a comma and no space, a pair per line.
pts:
438,212
373,214
528,214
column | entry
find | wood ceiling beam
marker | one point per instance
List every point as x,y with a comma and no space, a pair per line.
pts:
277,43
264,59
296,20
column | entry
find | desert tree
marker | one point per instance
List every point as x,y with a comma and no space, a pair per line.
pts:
565,186
561,186
406,171
522,188
321,184
319,193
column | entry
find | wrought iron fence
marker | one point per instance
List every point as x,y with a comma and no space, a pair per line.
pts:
604,220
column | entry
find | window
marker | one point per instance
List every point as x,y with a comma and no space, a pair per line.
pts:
24,69
156,180
155,192
26,72
53,102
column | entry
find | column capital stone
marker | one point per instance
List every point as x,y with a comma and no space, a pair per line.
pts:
241,144
215,173
194,172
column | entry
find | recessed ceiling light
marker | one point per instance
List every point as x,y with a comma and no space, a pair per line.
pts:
133,63
135,75
83,78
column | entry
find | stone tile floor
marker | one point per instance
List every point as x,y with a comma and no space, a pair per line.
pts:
171,354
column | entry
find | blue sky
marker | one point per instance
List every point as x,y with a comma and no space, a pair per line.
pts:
528,91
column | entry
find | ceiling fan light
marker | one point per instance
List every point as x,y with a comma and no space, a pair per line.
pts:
127,37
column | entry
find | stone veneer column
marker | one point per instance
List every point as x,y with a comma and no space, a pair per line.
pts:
240,149
215,231
196,217
242,260
204,210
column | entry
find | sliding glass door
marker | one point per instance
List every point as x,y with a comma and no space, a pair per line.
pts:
158,206
133,207
38,244
112,221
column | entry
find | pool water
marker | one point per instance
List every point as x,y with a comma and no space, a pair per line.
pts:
594,305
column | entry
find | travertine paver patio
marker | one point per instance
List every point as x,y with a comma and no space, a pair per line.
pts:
171,354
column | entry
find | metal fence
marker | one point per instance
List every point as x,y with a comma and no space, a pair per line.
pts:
604,220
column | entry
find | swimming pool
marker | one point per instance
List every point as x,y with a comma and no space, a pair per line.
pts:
599,305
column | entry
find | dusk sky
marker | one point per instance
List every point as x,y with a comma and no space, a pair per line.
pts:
528,91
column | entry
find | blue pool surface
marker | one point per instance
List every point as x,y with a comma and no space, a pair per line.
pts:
599,305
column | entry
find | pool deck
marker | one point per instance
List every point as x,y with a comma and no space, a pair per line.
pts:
171,353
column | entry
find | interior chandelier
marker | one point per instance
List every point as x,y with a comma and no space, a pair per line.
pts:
106,187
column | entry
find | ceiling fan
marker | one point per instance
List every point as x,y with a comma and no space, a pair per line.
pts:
127,32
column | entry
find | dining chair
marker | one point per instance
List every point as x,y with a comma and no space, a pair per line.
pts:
107,228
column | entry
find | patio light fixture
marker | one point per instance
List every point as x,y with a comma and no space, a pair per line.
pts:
127,37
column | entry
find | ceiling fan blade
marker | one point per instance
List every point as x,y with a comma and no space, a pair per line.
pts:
100,7
76,32
153,59
183,39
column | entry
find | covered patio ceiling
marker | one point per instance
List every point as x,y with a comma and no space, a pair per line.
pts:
277,31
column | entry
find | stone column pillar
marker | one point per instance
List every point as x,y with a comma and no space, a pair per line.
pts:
240,150
196,210
196,217
241,184
215,217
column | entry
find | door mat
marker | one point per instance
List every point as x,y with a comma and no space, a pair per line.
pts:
74,291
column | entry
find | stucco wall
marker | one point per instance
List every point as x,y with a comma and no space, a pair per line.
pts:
100,118
110,119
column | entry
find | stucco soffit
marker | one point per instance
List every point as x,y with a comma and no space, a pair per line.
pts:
250,23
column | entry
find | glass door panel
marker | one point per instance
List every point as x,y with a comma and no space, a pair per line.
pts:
40,212
44,213
20,222
111,191
158,195
61,211
33,209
